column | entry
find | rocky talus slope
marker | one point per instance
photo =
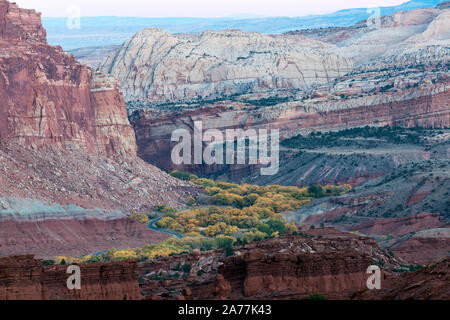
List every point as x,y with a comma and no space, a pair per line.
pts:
69,175
156,66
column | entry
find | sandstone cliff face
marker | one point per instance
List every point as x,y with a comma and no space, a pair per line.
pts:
20,24
25,278
99,281
20,278
69,175
155,66
46,96
114,134
328,263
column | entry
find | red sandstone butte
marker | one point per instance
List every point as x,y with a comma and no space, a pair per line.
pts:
47,98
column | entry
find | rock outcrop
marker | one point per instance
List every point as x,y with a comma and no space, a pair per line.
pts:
430,283
327,262
158,67
25,278
48,99
114,134
69,175
265,272
424,247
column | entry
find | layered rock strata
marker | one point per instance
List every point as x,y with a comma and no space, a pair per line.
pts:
48,99
25,278
155,66
327,262
69,175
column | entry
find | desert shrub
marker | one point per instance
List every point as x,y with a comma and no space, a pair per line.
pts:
277,226
190,201
205,183
187,268
316,191
141,217
224,241
185,176
49,262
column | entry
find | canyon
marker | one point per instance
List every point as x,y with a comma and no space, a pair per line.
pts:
325,262
50,99
77,158
69,174
371,79
400,80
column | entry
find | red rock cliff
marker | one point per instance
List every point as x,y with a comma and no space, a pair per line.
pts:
25,278
48,99
20,24
330,263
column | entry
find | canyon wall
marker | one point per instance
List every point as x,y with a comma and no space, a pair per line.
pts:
326,262
396,80
20,24
25,278
69,174
153,129
157,67
48,99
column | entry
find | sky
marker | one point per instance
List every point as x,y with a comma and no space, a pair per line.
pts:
196,8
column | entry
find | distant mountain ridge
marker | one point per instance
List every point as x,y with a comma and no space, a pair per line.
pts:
101,31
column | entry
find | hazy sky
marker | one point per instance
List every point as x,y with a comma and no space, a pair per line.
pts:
197,8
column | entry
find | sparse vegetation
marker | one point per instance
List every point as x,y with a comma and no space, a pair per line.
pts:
141,217
185,176
366,137
240,214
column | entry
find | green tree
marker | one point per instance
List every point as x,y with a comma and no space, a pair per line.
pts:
316,191
277,226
